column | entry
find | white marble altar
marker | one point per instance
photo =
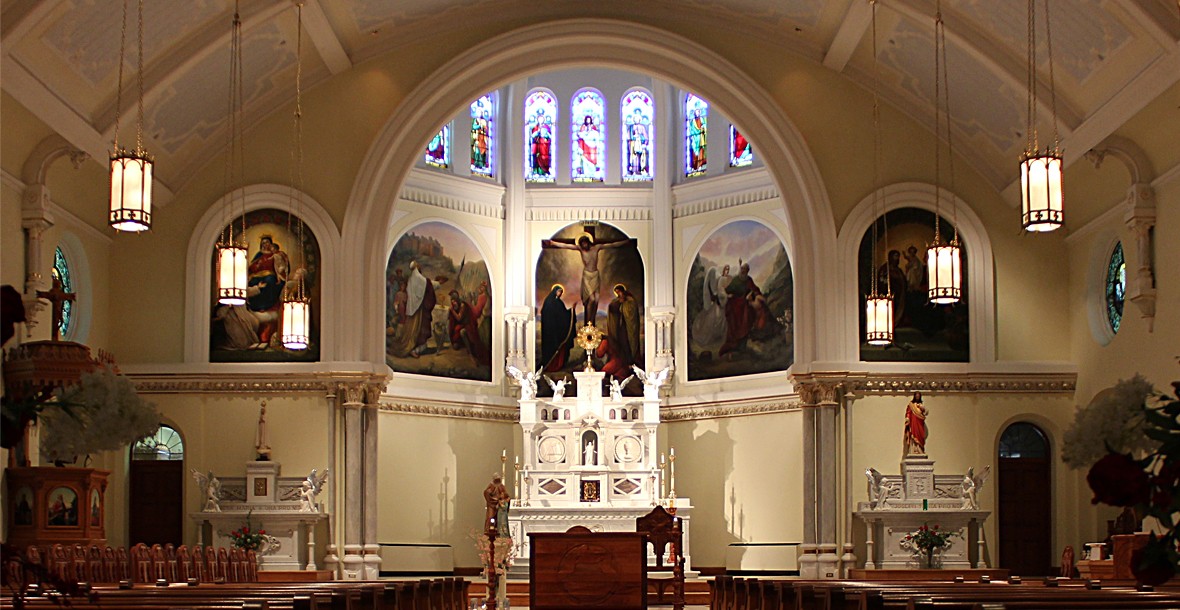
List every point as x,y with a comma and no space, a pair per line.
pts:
272,503
900,504
589,460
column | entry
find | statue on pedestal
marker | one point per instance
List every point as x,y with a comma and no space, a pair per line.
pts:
652,381
558,387
262,437
527,380
914,442
616,388
496,499
972,485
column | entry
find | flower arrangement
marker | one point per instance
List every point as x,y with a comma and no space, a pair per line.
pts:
505,552
925,541
106,415
244,538
1129,435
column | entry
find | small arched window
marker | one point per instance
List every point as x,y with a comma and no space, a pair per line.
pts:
483,127
61,272
164,445
438,151
1116,287
540,118
587,131
1023,440
696,132
638,113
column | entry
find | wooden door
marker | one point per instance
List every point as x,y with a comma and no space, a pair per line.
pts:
156,510
1025,501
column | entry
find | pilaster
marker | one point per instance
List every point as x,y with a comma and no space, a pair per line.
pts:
820,402
352,402
1140,219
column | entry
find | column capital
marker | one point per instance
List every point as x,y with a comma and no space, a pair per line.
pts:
819,393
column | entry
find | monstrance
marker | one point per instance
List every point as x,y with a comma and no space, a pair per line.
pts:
589,337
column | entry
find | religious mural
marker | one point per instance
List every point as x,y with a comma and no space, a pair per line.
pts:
922,332
277,266
63,507
95,508
22,507
589,272
438,305
740,304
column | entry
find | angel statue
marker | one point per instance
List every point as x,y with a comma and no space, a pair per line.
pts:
210,489
652,381
558,387
876,480
312,486
526,380
971,486
616,388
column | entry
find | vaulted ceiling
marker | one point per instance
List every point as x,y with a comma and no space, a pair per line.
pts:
60,59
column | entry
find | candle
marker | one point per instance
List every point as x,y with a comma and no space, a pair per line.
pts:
516,460
504,454
673,451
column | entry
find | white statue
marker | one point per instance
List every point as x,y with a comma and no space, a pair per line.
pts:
652,381
262,438
558,387
210,490
526,380
971,486
616,388
588,454
876,480
312,486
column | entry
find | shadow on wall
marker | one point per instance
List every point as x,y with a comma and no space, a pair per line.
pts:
710,490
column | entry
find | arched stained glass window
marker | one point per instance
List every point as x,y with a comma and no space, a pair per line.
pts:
483,112
741,152
696,132
638,114
438,152
165,444
540,117
61,272
1116,287
587,130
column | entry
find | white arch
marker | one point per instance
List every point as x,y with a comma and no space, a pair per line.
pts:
582,42
980,271
200,276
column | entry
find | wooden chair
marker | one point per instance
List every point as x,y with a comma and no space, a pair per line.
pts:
184,563
213,568
197,569
662,530
122,565
94,569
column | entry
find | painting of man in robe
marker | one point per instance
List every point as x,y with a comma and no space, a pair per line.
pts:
63,507
277,268
922,332
589,273
438,312
740,304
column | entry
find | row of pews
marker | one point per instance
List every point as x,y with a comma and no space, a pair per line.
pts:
730,593
434,594
140,563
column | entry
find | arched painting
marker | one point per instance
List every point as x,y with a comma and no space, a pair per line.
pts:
922,332
277,265
589,272
740,304
63,507
22,507
438,305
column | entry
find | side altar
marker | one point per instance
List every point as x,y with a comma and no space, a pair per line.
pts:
590,460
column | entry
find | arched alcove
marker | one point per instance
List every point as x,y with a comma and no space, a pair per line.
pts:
564,44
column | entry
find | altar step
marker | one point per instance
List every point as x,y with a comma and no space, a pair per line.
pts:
696,592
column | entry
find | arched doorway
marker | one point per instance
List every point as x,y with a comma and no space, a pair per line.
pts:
156,507
1025,500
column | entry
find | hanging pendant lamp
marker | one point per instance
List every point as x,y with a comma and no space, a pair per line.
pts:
1041,199
943,259
296,304
231,251
130,170
878,307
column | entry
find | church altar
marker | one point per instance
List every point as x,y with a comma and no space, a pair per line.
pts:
271,503
899,505
590,460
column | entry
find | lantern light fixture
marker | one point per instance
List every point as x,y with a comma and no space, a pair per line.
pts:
130,169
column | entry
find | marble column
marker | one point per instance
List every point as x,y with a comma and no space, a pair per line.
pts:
819,402
660,271
372,557
353,402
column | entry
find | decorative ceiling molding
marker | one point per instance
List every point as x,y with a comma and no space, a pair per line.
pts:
575,214
390,404
442,190
715,410
726,191
447,202
946,383
258,383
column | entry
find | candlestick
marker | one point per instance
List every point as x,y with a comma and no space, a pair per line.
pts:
503,463
672,467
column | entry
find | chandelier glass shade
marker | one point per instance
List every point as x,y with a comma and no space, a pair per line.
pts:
296,322
131,190
1040,191
879,319
944,267
231,273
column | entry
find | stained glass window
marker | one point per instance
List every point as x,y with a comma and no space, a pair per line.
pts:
438,152
1023,440
696,131
61,271
165,444
483,111
1116,287
587,128
741,152
540,117
638,113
